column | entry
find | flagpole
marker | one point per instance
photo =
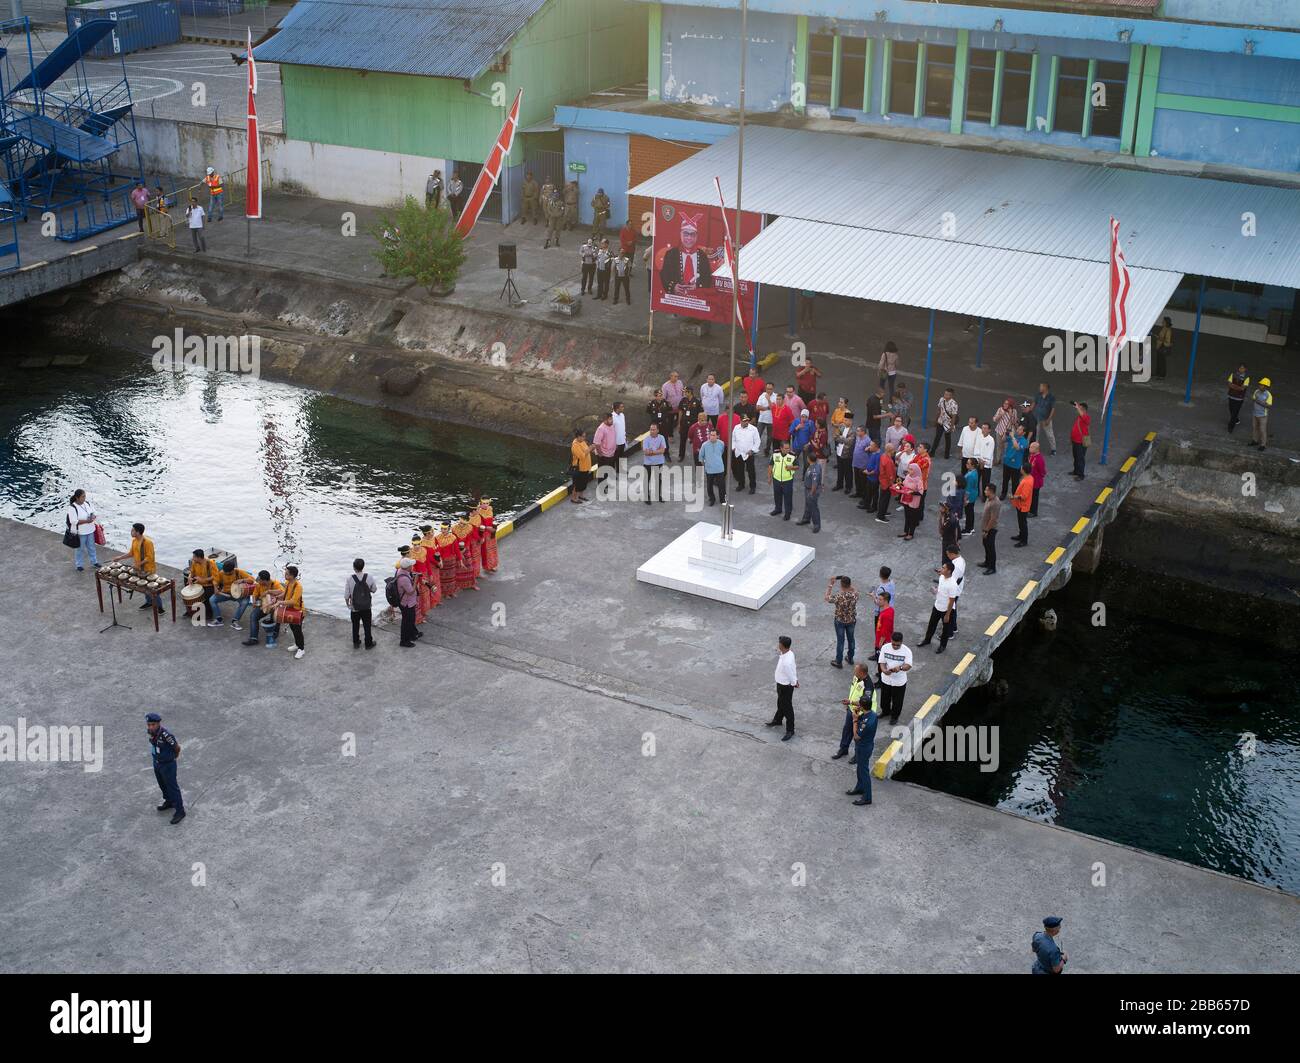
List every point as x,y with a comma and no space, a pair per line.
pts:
735,262
1105,436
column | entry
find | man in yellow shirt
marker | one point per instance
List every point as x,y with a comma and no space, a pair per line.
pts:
203,571
292,600
265,585
141,556
227,574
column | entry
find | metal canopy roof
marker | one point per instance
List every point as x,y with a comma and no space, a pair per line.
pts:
436,38
990,200
1045,290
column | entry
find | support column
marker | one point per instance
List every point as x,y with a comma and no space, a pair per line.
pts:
801,58
1196,339
959,71
929,360
1147,102
1131,92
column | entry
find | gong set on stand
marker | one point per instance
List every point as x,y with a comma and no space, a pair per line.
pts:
124,577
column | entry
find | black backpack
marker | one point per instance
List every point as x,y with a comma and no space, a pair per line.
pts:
391,593
360,593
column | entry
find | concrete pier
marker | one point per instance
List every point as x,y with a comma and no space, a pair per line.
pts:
501,811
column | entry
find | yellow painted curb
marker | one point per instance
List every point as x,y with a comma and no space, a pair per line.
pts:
34,265
1105,494
883,760
1128,465
1027,590
963,664
996,626
558,495
83,250
505,529
930,703
1150,436
1055,555
1079,525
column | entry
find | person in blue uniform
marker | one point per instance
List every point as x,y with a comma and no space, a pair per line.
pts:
165,750
1048,957
863,703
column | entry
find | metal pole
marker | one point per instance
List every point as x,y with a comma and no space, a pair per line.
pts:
979,351
1196,339
929,358
248,247
1105,435
735,268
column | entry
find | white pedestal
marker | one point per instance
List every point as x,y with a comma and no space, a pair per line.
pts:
746,570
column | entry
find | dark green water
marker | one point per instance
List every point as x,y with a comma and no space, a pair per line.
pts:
274,473
1153,734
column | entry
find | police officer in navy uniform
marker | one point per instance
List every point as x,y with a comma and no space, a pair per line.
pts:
165,750
1048,957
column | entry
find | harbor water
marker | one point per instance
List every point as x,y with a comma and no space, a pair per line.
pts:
1144,730
276,474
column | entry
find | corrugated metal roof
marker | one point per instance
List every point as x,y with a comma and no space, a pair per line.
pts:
1182,224
1020,286
438,38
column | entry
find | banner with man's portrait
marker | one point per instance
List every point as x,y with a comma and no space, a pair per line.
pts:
689,271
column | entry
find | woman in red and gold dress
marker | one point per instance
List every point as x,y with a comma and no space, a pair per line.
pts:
466,570
420,556
475,542
490,554
430,576
448,554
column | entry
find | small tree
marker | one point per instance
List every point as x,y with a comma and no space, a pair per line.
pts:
419,243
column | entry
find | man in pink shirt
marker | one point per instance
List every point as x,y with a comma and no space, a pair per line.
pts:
605,442
673,390
793,402
140,200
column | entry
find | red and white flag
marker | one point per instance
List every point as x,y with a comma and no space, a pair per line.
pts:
729,248
487,177
1117,333
253,197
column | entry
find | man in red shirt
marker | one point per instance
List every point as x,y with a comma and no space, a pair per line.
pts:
1080,437
888,474
627,238
782,419
754,385
806,380
727,420
885,621
819,409
699,434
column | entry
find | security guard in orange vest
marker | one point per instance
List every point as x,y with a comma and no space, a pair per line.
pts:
216,195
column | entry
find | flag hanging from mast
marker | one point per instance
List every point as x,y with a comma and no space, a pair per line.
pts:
729,249
253,186
487,177
1117,333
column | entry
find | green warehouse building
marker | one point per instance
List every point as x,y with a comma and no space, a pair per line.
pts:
435,78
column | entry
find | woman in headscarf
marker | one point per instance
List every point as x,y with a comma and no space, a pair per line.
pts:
910,497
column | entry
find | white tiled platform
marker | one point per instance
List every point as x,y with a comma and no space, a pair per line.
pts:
696,562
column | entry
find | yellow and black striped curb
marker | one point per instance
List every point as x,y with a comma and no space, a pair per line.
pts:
965,672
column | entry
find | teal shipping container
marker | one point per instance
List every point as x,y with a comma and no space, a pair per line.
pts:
138,24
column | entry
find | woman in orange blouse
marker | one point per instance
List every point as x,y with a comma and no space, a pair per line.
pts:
580,465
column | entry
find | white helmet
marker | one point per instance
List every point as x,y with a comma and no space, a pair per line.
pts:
211,170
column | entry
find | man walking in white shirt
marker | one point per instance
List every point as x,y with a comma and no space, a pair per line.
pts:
196,214
711,396
966,443
945,603
985,447
745,443
787,678
895,661
620,434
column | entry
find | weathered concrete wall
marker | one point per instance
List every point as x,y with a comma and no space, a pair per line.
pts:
352,175
112,251
388,343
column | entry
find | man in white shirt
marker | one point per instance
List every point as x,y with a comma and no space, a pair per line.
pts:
895,661
953,554
764,405
745,443
945,604
966,444
711,396
620,434
985,446
196,214
787,678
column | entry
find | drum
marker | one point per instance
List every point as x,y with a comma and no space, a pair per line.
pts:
287,614
241,588
268,601
192,593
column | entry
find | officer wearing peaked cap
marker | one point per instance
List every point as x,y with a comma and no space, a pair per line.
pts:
165,750
1048,957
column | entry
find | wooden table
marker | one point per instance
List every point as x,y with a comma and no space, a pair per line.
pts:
120,583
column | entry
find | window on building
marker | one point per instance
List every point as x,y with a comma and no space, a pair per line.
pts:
1071,95
853,69
979,84
902,78
821,62
1108,84
1015,89
939,62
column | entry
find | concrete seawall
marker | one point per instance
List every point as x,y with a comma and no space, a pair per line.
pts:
383,342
